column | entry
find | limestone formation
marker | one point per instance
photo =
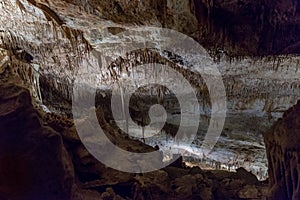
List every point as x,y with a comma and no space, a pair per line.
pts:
43,158
282,146
34,161
47,47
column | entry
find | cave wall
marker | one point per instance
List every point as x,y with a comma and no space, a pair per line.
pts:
34,161
42,158
66,42
283,152
60,41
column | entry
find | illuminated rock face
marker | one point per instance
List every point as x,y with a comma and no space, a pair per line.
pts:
238,27
282,146
44,44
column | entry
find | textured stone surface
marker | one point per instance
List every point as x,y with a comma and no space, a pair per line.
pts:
61,42
238,27
282,145
34,161
42,158
44,44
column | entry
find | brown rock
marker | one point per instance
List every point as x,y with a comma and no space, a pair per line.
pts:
282,146
34,163
249,192
249,178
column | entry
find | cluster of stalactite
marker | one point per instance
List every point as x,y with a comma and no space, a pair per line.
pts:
237,87
275,63
148,56
17,69
60,51
274,93
41,52
44,37
234,28
56,90
58,57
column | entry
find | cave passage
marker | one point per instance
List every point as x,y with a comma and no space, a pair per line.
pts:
197,99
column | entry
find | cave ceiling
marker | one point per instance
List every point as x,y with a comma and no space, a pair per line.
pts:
255,43
241,28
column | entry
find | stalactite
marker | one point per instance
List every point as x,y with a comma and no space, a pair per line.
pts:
124,113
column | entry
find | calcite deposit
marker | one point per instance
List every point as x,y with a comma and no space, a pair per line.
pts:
46,46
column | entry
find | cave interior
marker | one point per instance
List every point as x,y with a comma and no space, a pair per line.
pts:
196,99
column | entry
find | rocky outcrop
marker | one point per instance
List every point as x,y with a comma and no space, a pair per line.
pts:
283,151
34,162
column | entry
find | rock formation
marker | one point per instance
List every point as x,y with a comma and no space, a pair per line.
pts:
42,158
34,162
282,146
45,45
